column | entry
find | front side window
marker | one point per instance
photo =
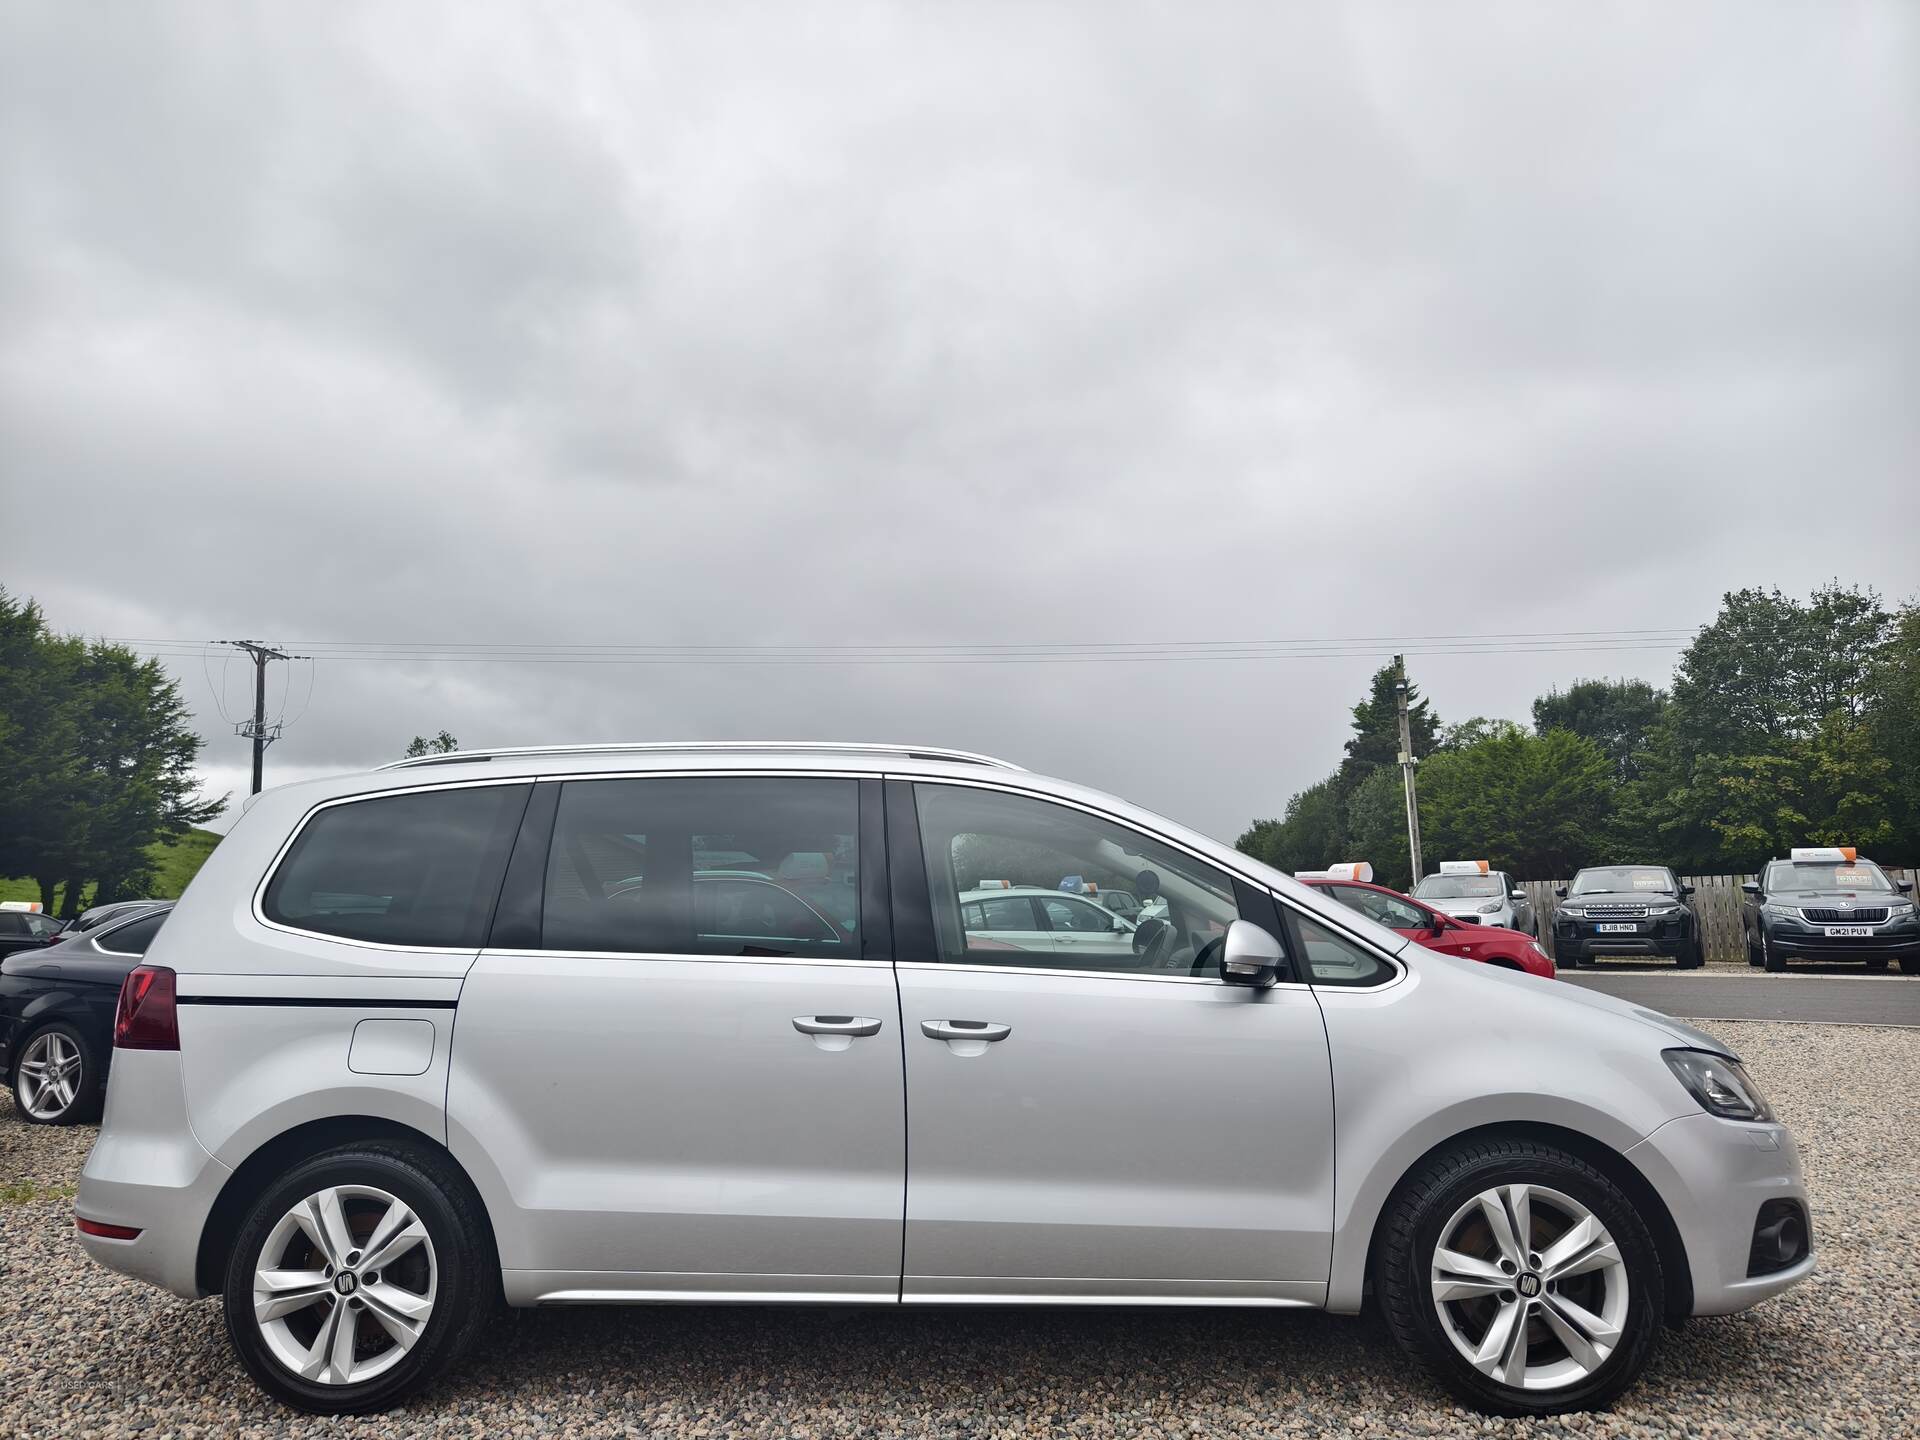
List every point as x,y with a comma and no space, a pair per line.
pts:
40,925
420,869
1334,960
979,842
745,866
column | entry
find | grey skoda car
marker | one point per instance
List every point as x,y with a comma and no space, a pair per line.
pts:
703,1023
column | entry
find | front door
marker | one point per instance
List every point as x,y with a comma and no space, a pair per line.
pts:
1120,1127
677,1070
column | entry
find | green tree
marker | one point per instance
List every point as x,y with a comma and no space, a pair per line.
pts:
1893,720
96,761
1310,836
1534,805
441,744
1377,828
1617,715
1376,729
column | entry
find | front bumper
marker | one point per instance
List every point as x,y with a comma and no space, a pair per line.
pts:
1891,940
147,1171
1715,1175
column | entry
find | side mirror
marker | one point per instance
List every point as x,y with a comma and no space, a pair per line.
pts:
1905,887
1438,925
1686,891
1120,926
1560,891
1250,955
1752,887
1518,895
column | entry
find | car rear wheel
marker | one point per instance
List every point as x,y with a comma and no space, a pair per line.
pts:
1521,1277
56,1080
358,1277
1910,964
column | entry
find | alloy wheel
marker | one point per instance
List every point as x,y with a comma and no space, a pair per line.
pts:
345,1285
49,1075
1530,1287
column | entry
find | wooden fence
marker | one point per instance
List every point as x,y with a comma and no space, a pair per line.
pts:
1716,900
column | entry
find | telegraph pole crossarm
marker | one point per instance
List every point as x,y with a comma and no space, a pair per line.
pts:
257,729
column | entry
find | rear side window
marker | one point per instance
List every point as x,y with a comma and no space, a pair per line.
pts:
746,866
421,869
133,939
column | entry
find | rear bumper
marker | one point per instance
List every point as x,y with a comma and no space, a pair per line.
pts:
148,1172
1714,1176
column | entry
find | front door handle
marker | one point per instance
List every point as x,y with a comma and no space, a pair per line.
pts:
836,1025
964,1030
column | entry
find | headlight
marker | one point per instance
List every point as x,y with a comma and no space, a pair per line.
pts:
1539,949
1781,912
1719,1084
1899,909
1492,907
1572,912
1663,910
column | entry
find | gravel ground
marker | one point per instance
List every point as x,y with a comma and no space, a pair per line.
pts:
84,1352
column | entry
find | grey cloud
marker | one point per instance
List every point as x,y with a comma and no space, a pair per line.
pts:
1006,323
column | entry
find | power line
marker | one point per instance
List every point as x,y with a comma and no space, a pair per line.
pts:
257,729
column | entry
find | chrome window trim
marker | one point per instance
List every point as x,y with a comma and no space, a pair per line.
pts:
512,952
928,966
359,797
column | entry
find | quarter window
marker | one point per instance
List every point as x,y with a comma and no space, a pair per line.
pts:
988,853
1334,960
747,866
421,869
1382,909
133,938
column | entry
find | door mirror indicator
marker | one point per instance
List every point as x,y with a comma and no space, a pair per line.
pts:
1250,955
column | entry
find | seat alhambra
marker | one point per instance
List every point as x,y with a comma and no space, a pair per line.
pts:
707,1023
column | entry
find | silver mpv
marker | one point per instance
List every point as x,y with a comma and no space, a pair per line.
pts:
635,1024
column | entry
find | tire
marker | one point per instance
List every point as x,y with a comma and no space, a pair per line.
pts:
1693,957
1775,962
1628,1290
1910,964
455,1271
73,1091
1572,962
1755,957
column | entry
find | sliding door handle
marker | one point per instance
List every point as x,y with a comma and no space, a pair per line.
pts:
964,1030
836,1025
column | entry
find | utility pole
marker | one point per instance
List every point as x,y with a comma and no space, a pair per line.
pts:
257,728
1407,763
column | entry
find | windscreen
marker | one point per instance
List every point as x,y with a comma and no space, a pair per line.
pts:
1458,887
1618,878
1826,875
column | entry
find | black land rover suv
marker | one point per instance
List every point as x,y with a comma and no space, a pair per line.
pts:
1827,904
1626,910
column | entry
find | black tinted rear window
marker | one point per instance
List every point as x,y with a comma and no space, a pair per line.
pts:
135,938
417,869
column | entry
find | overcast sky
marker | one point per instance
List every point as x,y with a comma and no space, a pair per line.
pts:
948,325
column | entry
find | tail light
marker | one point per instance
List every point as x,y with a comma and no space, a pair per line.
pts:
146,1018
105,1231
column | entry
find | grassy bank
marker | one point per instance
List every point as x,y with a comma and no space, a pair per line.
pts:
174,864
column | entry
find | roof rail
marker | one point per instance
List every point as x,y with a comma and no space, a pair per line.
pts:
697,747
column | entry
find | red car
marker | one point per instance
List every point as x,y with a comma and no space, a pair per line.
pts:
1426,926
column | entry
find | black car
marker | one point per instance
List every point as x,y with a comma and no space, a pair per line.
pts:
56,1017
1828,904
106,914
1626,910
27,930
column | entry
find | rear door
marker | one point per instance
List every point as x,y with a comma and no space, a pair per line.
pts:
677,1071
1099,1127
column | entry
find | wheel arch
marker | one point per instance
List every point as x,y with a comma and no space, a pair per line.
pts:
270,1159
1603,1157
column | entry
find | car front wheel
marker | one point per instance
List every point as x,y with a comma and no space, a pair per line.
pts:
1521,1277
358,1277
